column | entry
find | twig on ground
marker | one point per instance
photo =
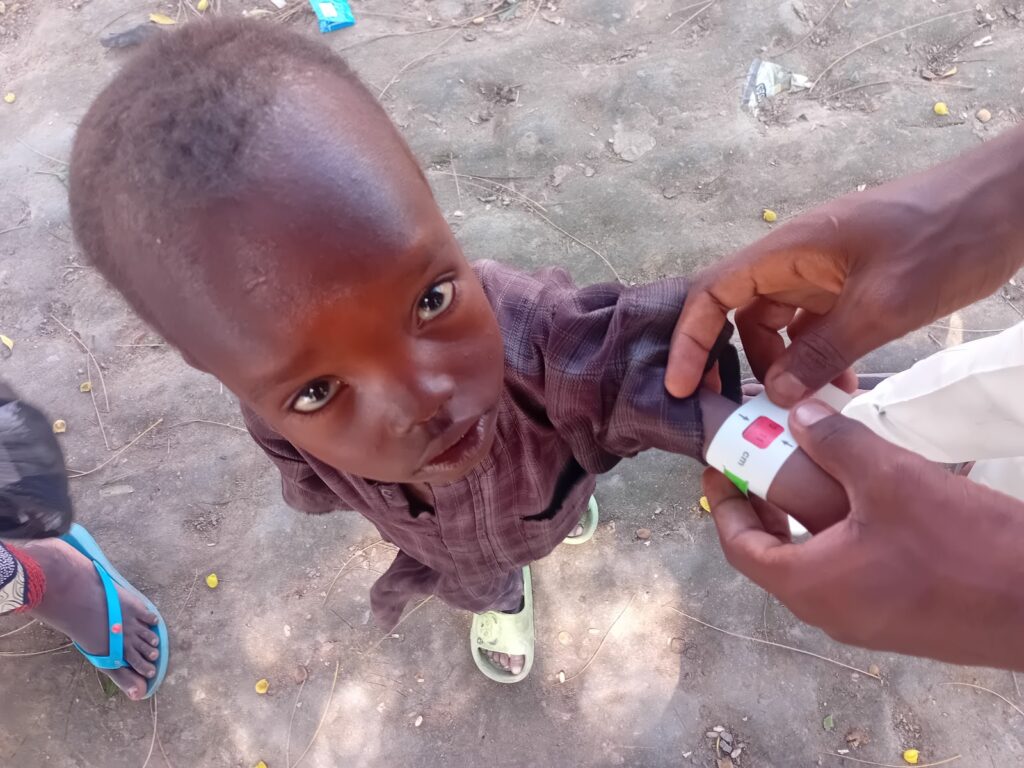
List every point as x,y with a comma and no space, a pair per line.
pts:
341,570
92,397
323,717
23,654
814,29
188,597
775,645
152,742
243,430
499,185
532,206
13,229
16,631
889,765
288,735
605,637
533,15
83,345
43,154
455,175
401,621
160,746
856,88
692,16
152,426
410,64
947,327
989,690
458,23
886,36
1016,685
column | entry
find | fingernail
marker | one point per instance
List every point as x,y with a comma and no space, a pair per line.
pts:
811,412
153,655
787,388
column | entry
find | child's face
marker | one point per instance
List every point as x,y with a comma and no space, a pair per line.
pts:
349,319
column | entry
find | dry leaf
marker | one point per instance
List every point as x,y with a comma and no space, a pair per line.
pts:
705,504
85,386
9,97
7,342
60,427
202,5
161,18
262,686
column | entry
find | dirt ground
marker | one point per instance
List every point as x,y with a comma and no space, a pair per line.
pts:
611,123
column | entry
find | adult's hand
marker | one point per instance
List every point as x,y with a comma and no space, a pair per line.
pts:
863,269
926,563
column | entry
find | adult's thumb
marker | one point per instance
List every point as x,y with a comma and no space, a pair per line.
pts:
843,448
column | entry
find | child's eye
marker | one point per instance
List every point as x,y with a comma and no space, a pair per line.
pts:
436,300
315,395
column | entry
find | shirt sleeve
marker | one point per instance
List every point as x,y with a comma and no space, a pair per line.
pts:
301,487
595,358
958,405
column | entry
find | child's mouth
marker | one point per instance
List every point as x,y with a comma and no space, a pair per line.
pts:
463,453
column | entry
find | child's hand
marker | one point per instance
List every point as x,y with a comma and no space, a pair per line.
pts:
926,562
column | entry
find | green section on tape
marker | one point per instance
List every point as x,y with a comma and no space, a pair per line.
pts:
739,482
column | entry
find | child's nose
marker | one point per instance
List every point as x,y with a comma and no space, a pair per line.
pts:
420,401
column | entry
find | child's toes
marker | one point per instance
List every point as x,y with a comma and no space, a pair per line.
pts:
130,682
150,638
133,654
516,664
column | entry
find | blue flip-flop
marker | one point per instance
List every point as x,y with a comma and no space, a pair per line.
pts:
80,539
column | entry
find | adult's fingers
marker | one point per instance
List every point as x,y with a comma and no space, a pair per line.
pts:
759,324
750,549
694,336
822,351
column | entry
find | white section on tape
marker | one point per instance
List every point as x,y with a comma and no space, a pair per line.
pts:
754,442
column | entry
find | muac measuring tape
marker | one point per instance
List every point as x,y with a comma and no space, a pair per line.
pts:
754,442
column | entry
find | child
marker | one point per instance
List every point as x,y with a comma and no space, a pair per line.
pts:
260,210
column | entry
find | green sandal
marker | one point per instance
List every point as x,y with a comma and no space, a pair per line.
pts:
589,522
510,633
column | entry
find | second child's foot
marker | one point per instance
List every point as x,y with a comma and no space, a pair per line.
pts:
74,603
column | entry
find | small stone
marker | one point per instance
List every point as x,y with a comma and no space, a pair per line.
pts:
676,645
874,670
418,721
856,738
983,115
711,735
299,674
9,97
769,215
725,762
262,686
60,427
479,20
718,729
735,754
469,37
85,386
726,737
565,638
588,171
643,533
561,676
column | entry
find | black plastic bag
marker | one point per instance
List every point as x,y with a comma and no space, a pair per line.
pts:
34,500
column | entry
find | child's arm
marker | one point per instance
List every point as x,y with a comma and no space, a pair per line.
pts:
801,487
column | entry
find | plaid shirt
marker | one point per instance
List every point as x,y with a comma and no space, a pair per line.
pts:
583,389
